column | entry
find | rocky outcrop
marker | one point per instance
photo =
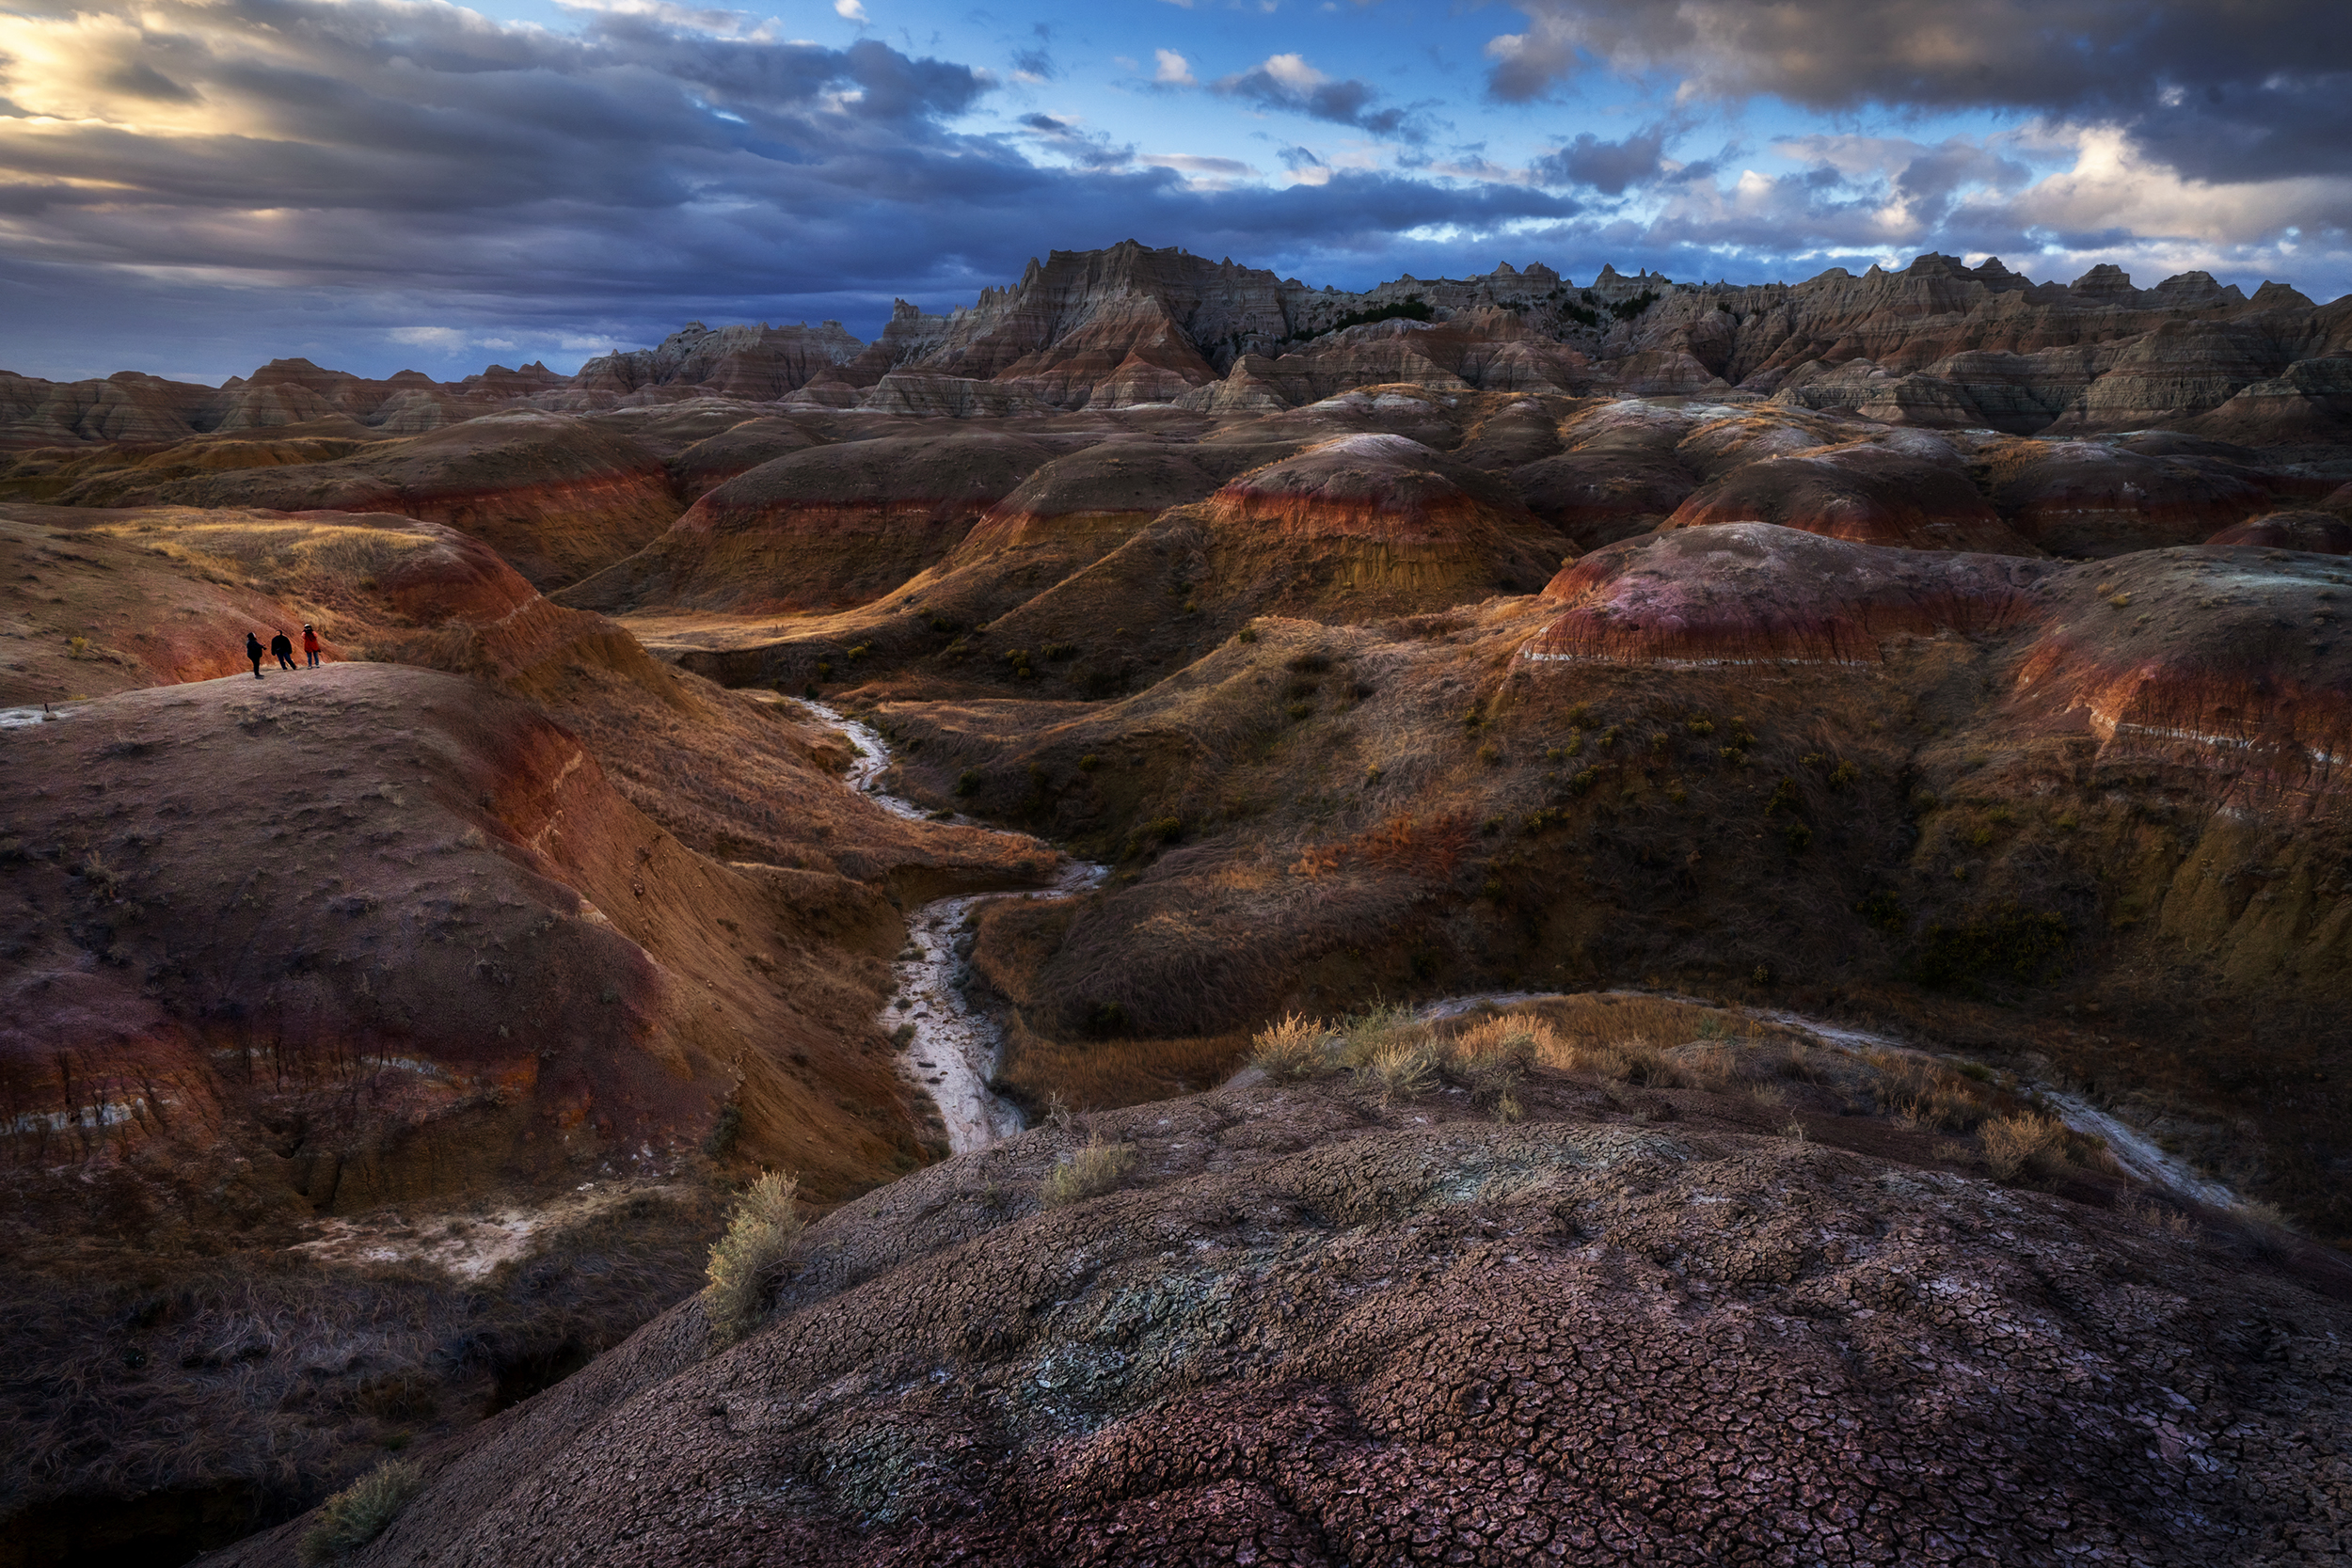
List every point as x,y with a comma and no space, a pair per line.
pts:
1322,1328
1737,593
1934,344
760,363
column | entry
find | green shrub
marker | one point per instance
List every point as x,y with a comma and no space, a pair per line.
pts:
968,782
1089,763
725,1130
361,1512
761,1234
1089,1170
1247,634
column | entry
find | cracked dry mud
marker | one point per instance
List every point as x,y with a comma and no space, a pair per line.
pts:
1318,1328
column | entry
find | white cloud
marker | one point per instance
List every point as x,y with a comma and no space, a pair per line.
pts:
448,339
850,11
1174,70
1202,173
1294,71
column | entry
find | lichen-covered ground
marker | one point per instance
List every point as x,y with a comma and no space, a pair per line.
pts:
1318,1325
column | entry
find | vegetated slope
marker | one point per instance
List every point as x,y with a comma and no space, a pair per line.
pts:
1329,1323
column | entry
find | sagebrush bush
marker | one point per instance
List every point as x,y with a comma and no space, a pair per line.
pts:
2029,1143
1294,1048
761,1234
1089,1170
359,1512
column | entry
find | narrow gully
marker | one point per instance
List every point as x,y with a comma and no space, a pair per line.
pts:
956,1050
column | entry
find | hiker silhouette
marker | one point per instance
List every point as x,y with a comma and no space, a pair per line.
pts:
282,647
253,651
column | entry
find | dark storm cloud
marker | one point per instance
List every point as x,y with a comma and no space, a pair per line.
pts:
1607,166
1300,91
2254,87
296,167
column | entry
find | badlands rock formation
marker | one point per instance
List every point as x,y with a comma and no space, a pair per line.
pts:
1936,344
1754,592
1325,1327
1937,650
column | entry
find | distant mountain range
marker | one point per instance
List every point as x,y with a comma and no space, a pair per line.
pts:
1938,344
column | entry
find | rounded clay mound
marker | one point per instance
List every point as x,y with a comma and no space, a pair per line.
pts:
2099,498
2311,533
1316,1326
1755,592
1372,484
1863,492
711,462
2232,661
827,526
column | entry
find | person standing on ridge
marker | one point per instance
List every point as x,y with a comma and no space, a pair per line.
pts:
311,645
253,652
282,647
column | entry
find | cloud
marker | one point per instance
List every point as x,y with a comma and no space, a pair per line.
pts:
448,339
1173,71
212,183
850,11
2222,91
1607,166
1288,82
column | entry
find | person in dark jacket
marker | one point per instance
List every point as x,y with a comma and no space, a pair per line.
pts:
311,645
253,651
282,647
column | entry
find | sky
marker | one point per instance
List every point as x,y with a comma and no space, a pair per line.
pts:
193,187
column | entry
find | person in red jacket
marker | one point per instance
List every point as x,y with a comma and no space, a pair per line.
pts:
311,645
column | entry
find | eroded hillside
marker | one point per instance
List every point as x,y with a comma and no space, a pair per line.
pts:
1934,652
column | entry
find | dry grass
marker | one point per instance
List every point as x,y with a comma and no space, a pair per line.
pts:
1094,1167
360,1512
761,1234
2144,1208
1292,1048
2030,1143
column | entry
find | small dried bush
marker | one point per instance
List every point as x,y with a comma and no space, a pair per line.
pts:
1491,1057
1365,1034
2026,1144
1294,1048
360,1512
1089,1170
761,1234
1406,1063
2143,1209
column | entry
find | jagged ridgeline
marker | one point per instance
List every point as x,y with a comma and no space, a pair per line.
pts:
1938,344
1796,830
